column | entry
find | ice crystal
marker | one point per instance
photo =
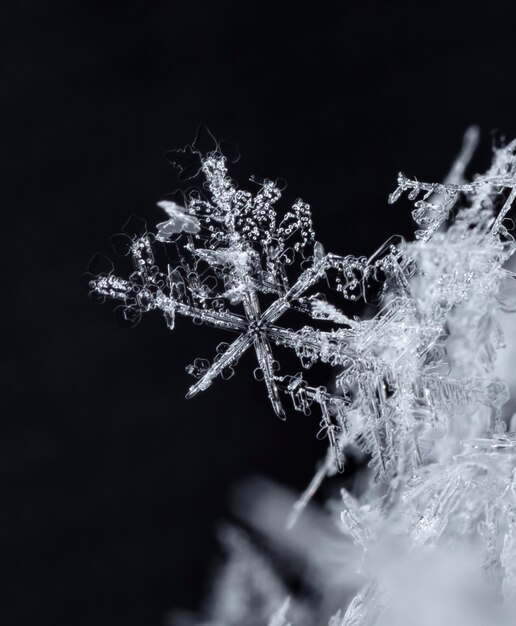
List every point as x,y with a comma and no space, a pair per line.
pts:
416,389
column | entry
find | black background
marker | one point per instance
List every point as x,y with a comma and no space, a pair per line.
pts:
111,482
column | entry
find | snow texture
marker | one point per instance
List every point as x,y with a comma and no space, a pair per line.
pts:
430,537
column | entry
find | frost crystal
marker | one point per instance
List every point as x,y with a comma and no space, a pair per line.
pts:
416,389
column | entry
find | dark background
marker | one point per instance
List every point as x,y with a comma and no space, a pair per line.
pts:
112,484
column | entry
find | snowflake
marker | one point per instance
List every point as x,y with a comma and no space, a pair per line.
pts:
234,262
